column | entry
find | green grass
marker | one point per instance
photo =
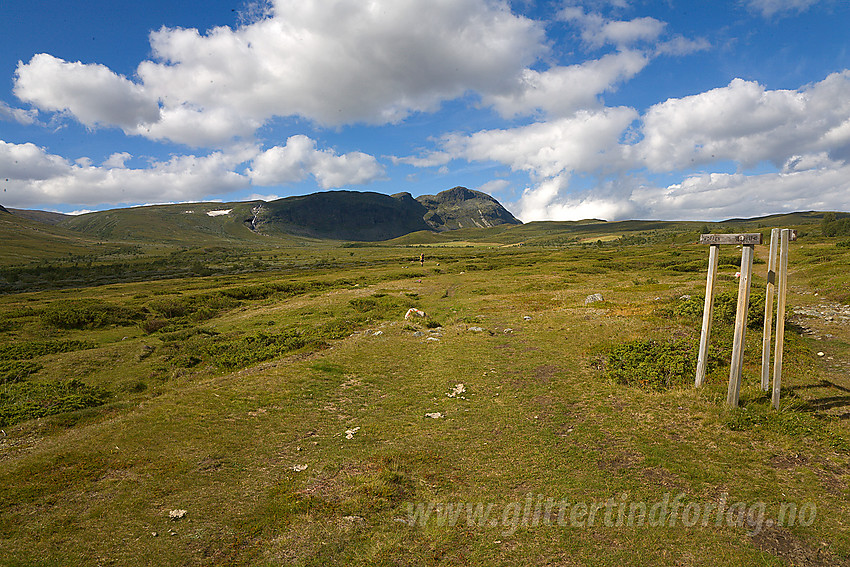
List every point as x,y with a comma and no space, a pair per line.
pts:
238,408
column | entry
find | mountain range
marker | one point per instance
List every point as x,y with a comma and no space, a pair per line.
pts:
333,215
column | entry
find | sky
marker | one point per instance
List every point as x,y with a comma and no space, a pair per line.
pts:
562,110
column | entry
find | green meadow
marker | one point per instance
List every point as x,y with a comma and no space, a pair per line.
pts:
230,400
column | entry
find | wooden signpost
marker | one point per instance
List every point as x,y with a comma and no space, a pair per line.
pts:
782,290
747,242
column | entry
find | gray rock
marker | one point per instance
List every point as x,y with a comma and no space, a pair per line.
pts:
593,298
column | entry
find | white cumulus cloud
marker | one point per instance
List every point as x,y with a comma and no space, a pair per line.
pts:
717,196
37,177
596,30
748,124
19,115
585,141
92,93
29,162
562,90
333,62
300,158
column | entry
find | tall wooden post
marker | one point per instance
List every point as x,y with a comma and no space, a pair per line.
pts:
734,389
780,314
707,314
768,310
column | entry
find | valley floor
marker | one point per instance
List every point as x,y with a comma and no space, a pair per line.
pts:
297,418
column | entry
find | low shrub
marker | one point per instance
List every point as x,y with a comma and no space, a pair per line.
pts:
153,324
245,351
197,308
17,370
725,308
28,400
32,349
87,314
654,365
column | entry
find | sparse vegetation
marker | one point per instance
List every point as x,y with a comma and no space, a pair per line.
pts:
276,393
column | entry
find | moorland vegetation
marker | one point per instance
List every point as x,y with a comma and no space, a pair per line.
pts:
225,398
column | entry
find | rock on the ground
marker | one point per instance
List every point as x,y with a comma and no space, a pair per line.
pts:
593,298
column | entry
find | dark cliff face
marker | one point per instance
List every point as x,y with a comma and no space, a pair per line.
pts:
344,215
3,210
460,207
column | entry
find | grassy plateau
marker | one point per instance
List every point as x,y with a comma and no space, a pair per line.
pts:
264,401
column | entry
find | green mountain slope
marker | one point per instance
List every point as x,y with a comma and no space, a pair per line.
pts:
460,207
26,240
47,217
187,224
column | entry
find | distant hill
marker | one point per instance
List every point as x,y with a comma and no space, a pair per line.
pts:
184,224
460,207
47,217
26,240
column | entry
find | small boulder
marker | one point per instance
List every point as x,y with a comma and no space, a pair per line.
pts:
457,391
593,298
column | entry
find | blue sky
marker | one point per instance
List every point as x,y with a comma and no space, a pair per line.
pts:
562,110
